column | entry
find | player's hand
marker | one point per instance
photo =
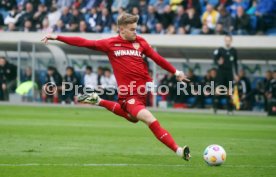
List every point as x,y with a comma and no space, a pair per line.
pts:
220,61
180,76
49,37
4,86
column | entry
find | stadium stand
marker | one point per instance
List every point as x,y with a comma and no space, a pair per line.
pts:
238,17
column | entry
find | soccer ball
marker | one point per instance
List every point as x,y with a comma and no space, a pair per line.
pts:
214,155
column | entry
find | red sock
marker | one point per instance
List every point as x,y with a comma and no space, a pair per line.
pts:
55,99
162,135
44,97
116,109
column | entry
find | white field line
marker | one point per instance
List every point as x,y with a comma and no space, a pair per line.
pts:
129,165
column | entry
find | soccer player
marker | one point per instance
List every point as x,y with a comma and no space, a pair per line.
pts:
125,53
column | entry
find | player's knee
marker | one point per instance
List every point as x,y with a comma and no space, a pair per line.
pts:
146,117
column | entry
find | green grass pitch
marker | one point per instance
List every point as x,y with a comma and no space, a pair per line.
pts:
82,142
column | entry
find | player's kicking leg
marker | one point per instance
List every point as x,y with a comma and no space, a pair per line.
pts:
162,135
141,114
109,105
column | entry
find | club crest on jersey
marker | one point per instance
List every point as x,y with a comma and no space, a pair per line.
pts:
131,101
136,45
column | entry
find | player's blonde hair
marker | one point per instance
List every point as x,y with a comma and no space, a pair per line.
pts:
126,18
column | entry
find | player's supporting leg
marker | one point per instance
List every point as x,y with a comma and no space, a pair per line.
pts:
116,109
162,134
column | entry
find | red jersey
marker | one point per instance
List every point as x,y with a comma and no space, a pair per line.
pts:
126,58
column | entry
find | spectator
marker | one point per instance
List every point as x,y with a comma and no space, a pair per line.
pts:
109,85
179,18
225,20
13,16
26,16
267,80
2,88
135,11
143,6
11,27
59,27
253,8
8,74
170,30
28,26
233,9
159,29
210,17
90,79
143,30
68,88
83,27
261,92
205,30
100,73
167,17
45,26
219,30
114,28
192,86
244,89
39,16
151,19
169,80
242,22
208,80
105,21
192,22
74,22
66,16
27,76
53,16
93,19
52,86
272,88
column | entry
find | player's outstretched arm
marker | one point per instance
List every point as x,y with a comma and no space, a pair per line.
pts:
162,62
78,41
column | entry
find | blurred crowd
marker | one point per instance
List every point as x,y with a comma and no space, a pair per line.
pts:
251,95
51,85
240,17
